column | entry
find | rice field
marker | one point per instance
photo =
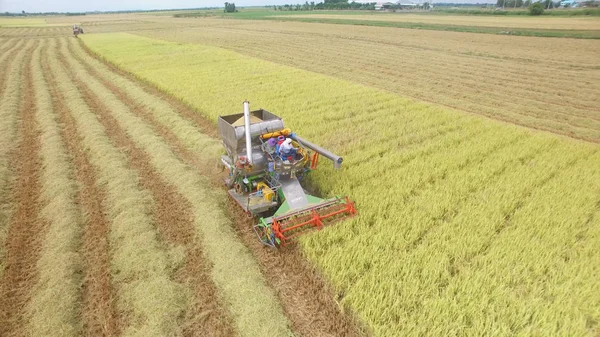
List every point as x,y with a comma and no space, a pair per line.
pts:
501,77
22,22
575,23
478,191
462,230
111,221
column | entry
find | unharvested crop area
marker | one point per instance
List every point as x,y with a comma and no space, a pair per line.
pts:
467,226
111,222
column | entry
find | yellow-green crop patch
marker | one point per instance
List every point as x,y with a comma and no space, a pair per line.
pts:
466,226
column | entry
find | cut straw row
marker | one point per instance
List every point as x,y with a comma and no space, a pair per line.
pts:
54,308
236,274
140,267
9,106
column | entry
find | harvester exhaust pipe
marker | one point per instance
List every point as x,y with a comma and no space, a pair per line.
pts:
337,160
247,130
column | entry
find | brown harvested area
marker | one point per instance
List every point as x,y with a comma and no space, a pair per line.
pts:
5,59
306,298
26,228
99,312
173,215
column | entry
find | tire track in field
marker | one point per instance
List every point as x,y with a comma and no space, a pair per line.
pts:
174,219
99,314
307,299
26,228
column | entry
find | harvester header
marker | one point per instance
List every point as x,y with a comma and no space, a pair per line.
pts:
266,163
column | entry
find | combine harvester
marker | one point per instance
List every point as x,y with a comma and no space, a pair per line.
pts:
77,30
266,163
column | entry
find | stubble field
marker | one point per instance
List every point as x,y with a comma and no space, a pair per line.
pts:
578,23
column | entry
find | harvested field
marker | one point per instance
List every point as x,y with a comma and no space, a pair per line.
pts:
577,23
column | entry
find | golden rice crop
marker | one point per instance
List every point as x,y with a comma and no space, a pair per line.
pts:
253,304
141,267
467,226
54,309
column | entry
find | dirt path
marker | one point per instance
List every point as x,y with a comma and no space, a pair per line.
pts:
99,312
173,215
26,228
307,300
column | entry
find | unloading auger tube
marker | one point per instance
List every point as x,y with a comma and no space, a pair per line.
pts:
266,163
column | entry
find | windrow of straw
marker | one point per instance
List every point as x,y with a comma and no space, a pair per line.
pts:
253,305
173,214
164,113
9,106
54,308
140,267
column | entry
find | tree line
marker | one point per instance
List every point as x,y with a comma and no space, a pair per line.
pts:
327,4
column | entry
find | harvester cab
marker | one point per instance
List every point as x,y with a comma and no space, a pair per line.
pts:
266,163
77,30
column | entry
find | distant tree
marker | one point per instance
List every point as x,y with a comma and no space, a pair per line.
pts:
536,9
230,7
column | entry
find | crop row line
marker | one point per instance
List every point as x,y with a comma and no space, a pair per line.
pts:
99,314
248,309
174,218
144,286
10,102
60,261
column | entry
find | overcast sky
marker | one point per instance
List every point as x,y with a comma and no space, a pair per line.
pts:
114,5
107,5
